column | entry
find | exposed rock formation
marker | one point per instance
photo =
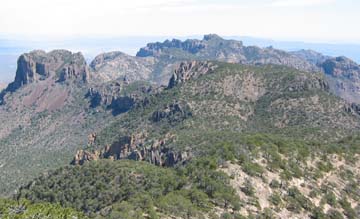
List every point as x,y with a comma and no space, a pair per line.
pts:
59,64
117,65
342,67
155,49
136,147
172,113
213,47
311,56
190,70
117,97
343,76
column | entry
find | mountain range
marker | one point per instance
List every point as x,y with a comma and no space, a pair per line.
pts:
205,128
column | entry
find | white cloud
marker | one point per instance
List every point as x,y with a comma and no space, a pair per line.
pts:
263,18
300,3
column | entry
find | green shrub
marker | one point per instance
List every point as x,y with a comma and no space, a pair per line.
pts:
252,169
330,198
334,214
318,213
275,199
248,188
348,210
274,184
24,209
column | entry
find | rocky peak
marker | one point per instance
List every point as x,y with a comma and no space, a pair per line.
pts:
190,70
117,65
157,49
311,56
342,67
209,37
105,57
60,65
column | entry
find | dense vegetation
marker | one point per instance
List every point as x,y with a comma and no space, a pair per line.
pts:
123,189
133,189
23,209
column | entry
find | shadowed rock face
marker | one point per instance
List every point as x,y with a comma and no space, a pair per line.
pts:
343,76
120,96
342,67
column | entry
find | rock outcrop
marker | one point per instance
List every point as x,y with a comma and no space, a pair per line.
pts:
343,75
190,70
172,113
311,56
117,97
156,49
59,64
120,66
213,47
136,147
342,67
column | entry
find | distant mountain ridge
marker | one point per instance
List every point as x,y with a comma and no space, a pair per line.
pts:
213,47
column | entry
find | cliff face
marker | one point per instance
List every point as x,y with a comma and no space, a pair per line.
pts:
190,70
56,66
342,67
60,65
343,75
134,147
213,47
119,96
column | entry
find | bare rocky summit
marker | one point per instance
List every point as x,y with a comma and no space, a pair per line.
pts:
117,65
58,66
213,47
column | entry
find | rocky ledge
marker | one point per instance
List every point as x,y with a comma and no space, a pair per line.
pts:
135,147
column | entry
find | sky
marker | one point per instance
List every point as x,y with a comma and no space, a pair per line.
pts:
307,20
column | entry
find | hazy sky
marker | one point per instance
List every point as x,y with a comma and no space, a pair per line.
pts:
315,20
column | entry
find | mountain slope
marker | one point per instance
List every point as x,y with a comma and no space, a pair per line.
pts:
207,130
46,115
213,125
213,47
207,98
